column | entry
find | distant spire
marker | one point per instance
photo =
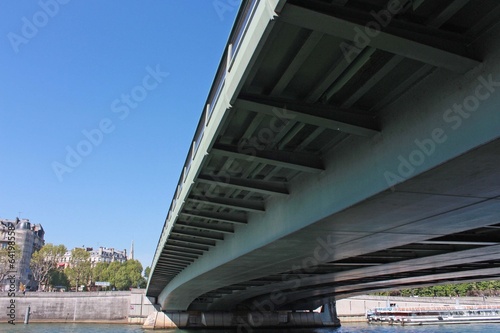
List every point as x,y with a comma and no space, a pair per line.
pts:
132,251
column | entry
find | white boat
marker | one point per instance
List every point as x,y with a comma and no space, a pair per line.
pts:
460,314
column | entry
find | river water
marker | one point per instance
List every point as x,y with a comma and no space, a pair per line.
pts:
346,328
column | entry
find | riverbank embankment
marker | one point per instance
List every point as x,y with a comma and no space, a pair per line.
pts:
82,307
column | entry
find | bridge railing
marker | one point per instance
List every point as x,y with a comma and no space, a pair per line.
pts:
237,34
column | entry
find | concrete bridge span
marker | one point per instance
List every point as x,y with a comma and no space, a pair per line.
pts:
346,146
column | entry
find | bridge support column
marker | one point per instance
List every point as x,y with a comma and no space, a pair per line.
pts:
329,314
243,321
161,320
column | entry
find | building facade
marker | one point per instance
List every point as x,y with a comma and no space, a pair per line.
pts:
101,254
28,238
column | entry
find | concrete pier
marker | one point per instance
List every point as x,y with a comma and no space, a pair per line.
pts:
243,320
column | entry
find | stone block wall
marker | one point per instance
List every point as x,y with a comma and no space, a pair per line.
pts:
111,306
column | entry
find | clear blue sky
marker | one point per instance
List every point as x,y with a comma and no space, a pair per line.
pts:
134,76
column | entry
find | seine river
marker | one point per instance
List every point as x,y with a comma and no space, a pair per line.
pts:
347,328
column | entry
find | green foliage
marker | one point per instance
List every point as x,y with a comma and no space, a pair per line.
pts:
481,288
112,272
144,281
79,271
134,270
128,275
58,278
44,262
122,280
100,272
121,276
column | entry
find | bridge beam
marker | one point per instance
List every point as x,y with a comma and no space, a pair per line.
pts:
198,250
330,24
329,117
252,185
193,242
222,217
238,204
295,161
207,226
198,234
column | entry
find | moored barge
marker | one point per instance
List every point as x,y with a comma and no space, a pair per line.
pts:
460,314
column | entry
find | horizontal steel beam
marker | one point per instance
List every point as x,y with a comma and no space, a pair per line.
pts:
296,161
237,204
206,226
170,264
190,240
198,234
180,253
223,217
330,117
173,260
186,244
251,185
389,42
184,249
178,257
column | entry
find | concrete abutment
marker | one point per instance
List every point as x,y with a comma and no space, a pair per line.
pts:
244,321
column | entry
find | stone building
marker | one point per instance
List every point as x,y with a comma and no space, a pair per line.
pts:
104,254
101,254
29,238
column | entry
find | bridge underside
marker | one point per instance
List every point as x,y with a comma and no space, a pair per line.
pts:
335,168
441,226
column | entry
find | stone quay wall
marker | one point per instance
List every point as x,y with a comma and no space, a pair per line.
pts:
106,307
